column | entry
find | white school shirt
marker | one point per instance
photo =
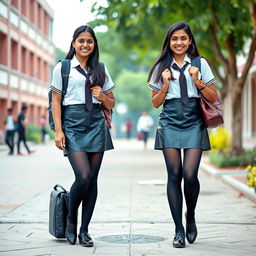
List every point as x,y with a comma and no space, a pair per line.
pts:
174,87
76,92
145,123
10,123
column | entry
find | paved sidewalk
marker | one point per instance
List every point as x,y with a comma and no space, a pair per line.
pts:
130,213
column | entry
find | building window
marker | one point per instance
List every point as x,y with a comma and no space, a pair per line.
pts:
23,59
31,66
14,54
46,23
39,73
3,49
46,72
24,8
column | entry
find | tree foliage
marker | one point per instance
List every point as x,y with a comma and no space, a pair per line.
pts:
221,29
59,54
133,91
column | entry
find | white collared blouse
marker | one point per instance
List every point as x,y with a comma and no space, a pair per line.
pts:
174,88
76,92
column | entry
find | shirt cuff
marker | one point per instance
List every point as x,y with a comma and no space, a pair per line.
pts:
153,87
212,81
110,89
55,89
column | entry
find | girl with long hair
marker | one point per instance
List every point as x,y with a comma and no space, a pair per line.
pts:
81,129
176,84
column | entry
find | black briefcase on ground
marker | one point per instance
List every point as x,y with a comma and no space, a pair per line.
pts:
58,211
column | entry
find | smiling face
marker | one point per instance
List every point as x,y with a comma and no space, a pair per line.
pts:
84,45
179,42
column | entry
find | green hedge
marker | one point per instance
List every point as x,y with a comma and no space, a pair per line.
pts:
231,159
33,133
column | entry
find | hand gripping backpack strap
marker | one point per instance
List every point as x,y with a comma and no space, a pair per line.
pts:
196,62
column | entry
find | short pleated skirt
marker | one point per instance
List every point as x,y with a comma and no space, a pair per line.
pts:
181,126
85,130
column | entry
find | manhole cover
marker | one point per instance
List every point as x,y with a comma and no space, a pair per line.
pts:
135,239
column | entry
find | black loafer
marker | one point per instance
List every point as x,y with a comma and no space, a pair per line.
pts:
191,231
179,240
71,233
85,240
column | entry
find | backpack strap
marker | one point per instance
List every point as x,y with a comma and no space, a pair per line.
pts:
65,70
103,70
196,62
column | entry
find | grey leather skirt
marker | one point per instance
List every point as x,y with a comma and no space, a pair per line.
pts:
84,130
181,126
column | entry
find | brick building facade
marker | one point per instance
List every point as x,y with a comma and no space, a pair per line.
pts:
27,57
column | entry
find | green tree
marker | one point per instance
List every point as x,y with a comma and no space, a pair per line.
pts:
59,54
132,90
221,28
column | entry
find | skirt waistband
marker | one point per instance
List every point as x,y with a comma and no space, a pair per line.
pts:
94,105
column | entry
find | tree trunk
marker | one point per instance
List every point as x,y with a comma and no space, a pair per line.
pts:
237,122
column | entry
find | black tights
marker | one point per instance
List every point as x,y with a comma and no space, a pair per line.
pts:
86,168
188,171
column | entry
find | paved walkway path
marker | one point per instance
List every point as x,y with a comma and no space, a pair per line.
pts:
131,210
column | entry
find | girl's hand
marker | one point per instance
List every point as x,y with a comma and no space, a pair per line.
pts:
166,75
60,140
97,92
193,71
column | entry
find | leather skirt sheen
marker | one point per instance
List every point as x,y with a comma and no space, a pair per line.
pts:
84,130
181,126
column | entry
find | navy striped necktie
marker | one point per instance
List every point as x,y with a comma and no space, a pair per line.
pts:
182,82
88,85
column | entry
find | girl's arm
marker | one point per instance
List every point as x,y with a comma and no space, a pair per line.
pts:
158,97
208,92
56,114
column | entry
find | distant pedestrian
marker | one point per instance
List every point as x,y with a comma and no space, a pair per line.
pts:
21,122
144,126
81,129
10,130
176,84
128,128
43,123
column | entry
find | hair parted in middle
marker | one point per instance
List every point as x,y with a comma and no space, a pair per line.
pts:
97,73
166,56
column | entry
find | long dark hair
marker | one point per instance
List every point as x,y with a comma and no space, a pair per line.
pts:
166,56
96,71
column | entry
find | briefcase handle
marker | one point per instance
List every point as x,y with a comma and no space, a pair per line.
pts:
59,186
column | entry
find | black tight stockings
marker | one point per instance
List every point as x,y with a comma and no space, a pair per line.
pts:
86,168
189,171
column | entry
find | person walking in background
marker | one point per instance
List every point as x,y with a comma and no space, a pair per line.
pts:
128,128
43,123
21,122
144,125
81,129
10,130
176,85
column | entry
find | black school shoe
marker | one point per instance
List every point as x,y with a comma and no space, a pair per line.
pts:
71,233
191,230
85,240
179,240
